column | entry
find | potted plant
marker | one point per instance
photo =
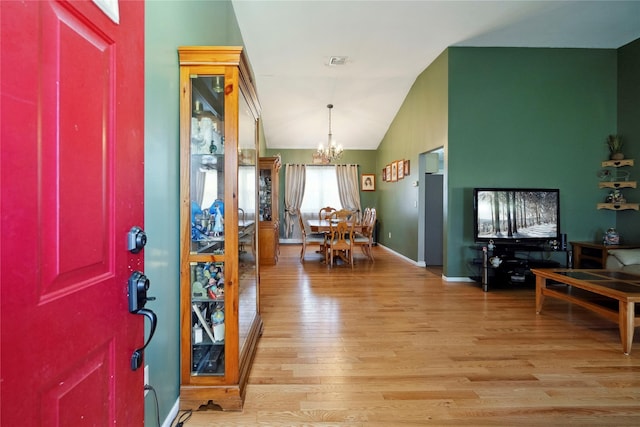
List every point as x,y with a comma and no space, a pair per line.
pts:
614,142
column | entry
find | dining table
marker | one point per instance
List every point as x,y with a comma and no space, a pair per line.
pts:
324,226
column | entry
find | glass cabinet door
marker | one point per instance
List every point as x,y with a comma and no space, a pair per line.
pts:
266,211
207,165
207,194
247,243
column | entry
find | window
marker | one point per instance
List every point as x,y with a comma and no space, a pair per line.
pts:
321,189
210,188
247,189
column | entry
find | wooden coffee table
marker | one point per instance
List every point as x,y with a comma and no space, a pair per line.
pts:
592,289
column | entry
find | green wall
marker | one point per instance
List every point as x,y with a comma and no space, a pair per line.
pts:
628,222
169,24
419,126
529,118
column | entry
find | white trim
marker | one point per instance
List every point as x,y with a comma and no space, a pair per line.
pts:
172,414
399,255
456,279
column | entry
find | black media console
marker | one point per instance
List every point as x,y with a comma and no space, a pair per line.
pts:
512,264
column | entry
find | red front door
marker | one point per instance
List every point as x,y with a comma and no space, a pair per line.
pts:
71,187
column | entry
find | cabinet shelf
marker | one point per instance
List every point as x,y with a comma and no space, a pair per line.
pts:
618,184
617,163
619,206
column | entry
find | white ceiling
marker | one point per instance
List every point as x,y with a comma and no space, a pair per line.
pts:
388,44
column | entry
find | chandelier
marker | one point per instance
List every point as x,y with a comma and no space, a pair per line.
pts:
333,151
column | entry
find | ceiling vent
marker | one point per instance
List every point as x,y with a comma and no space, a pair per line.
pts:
334,61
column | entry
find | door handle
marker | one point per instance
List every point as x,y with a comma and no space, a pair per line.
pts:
138,287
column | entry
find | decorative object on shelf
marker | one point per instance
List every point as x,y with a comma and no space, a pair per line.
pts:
615,144
611,237
333,151
614,175
615,197
218,227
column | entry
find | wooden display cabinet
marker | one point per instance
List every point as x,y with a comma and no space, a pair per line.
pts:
269,182
219,307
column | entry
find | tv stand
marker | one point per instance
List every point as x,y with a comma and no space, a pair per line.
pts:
512,264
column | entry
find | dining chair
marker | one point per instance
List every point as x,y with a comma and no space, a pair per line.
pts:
364,239
339,242
247,234
341,215
325,212
309,238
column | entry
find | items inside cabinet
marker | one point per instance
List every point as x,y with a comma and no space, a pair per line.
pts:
207,318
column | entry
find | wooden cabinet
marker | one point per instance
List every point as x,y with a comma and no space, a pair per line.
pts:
615,179
219,312
269,240
593,255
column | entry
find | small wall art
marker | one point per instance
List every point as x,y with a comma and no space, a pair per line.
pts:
368,182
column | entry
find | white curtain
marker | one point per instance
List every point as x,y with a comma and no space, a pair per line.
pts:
294,182
349,188
197,185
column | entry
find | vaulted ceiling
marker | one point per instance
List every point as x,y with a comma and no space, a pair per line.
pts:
387,44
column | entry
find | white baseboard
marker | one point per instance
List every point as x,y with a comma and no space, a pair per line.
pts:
400,255
172,414
456,279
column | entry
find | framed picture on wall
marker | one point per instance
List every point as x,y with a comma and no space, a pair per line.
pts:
394,171
400,169
384,174
388,168
368,182
406,168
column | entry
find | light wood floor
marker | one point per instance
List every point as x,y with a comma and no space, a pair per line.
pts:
391,344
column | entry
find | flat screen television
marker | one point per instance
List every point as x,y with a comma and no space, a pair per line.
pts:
516,215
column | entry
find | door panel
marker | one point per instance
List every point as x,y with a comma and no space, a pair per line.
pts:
433,219
72,155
